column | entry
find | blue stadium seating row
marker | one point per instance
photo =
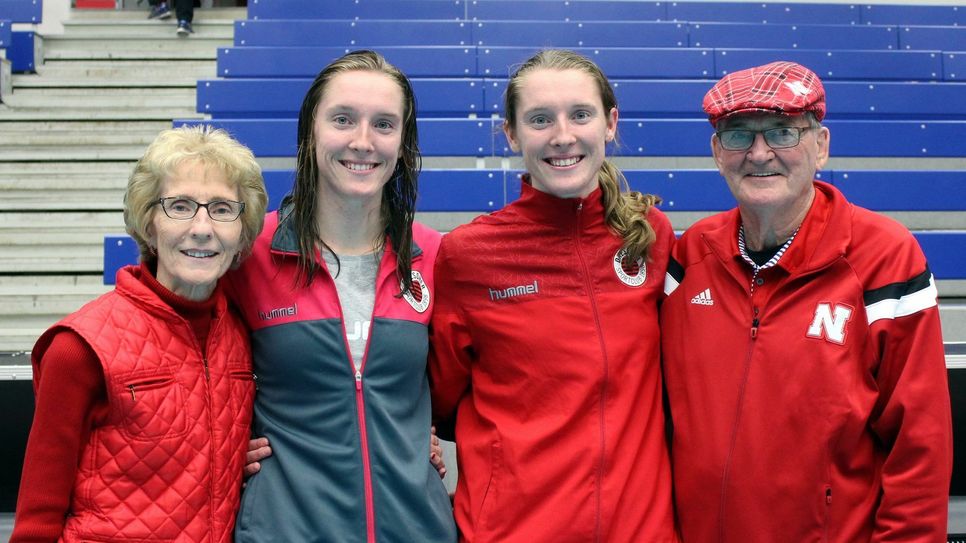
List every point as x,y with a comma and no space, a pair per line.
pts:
617,62
643,137
624,33
603,10
21,11
5,33
457,97
681,190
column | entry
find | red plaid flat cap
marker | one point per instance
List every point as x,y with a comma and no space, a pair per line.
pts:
780,87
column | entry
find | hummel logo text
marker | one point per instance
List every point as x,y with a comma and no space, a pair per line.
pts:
279,312
703,298
514,291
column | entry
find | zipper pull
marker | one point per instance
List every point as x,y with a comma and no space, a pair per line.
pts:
255,380
207,375
133,399
358,380
580,207
828,496
754,328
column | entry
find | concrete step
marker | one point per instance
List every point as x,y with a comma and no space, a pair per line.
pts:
62,242
67,138
104,29
67,169
81,192
94,114
108,73
85,127
45,303
195,47
78,152
94,98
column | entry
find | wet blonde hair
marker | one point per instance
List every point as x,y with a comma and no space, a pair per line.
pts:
213,148
624,210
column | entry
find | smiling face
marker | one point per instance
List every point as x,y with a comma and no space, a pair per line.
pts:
358,132
773,182
193,254
562,130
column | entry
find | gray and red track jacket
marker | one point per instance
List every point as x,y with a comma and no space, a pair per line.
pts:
350,451
812,406
545,349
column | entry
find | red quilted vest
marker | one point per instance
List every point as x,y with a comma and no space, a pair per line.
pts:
167,465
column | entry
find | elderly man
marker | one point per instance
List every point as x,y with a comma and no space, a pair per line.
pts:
802,347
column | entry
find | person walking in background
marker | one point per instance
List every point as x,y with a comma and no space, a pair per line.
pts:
184,11
338,295
545,356
802,349
143,396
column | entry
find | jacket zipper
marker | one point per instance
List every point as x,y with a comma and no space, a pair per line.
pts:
603,351
725,476
361,409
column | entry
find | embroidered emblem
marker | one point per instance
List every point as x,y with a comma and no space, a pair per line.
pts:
703,298
630,273
829,324
418,295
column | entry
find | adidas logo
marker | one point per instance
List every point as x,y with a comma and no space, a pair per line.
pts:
703,298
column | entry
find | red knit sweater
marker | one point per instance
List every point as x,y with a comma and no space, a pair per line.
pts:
71,401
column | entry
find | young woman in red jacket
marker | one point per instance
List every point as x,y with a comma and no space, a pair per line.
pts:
545,352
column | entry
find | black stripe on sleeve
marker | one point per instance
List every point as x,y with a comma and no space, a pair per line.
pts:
895,291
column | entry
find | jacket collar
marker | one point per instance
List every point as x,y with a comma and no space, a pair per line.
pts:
564,213
285,240
824,236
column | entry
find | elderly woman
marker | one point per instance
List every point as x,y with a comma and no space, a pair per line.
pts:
143,396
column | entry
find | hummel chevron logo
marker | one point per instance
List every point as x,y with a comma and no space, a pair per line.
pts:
703,298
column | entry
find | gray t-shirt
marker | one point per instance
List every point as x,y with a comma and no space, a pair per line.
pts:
356,287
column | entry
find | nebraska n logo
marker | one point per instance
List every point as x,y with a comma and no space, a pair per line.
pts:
829,323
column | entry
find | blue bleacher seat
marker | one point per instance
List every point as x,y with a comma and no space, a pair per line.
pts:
625,33
945,251
680,63
357,34
308,61
565,10
954,66
21,51
6,35
282,98
832,65
21,11
763,12
278,183
935,38
882,14
119,251
896,100
461,190
915,190
361,9
437,137
792,36
683,190
877,138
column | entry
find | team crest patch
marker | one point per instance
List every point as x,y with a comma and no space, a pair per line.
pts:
418,295
630,273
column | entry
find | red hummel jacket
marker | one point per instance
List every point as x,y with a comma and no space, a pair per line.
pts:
546,351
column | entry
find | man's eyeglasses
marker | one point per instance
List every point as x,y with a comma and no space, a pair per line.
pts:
183,209
782,137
